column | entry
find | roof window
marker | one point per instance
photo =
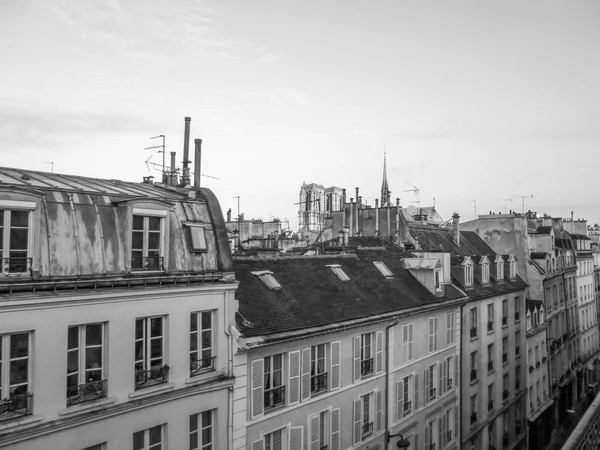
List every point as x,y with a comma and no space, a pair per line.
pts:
383,269
337,269
267,277
197,239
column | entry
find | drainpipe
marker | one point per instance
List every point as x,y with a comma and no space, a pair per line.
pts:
230,373
387,380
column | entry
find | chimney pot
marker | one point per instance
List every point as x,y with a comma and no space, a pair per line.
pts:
197,161
456,227
185,175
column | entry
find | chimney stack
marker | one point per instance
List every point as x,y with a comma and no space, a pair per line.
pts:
456,227
185,175
197,160
229,215
173,174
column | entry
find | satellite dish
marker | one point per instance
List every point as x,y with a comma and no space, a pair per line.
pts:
412,210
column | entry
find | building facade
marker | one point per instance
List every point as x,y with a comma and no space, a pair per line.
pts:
101,282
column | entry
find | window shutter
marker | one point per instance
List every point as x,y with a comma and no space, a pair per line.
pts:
427,385
410,341
295,437
455,434
435,334
357,419
258,397
258,445
399,400
427,428
305,373
314,432
379,351
378,421
335,429
405,343
416,389
444,376
440,378
445,439
334,383
456,372
440,437
416,440
356,358
294,388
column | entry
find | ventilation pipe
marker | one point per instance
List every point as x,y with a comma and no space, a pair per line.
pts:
397,218
197,160
351,213
456,227
173,175
343,208
185,175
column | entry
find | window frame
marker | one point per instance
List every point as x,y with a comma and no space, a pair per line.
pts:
146,214
146,438
23,399
269,379
194,248
339,272
160,374
199,433
207,363
433,335
407,342
7,207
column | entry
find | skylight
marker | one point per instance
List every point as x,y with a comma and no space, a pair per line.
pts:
337,269
383,269
267,277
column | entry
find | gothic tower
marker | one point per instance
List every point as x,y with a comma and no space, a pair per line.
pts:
385,190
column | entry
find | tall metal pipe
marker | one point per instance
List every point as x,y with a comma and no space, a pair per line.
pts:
185,176
197,161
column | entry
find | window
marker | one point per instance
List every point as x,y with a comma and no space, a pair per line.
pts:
431,434
85,363
504,350
407,342
449,371
490,396
485,273
431,381
491,435
404,393
274,440
517,378
490,314
505,387
366,354
319,430
490,349
202,358
473,404
517,344
201,431
512,273
150,439
383,269
197,239
15,375
433,329
337,269
150,367
437,274
517,308
266,277
504,313
500,269
473,365
14,241
473,322
318,378
468,274
367,415
274,389
448,425
146,249
450,329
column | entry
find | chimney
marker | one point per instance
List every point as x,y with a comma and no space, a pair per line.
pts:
197,160
343,207
351,213
456,227
356,195
397,217
340,238
377,217
173,174
185,175
346,232
229,215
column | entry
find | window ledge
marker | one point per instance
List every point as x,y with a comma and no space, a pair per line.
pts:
18,423
474,338
152,390
203,377
86,407
475,381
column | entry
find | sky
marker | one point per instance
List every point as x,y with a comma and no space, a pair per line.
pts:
480,100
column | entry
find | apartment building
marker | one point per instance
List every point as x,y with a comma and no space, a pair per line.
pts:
493,338
334,352
115,308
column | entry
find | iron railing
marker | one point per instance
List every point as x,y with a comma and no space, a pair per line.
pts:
516,316
156,375
504,320
367,429
318,382
147,263
87,392
206,364
274,397
16,405
366,367
15,265
406,407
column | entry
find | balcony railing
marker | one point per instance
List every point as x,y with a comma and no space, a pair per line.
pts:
473,418
323,447
274,397
155,375
490,326
16,405
203,365
15,265
432,393
367,429
473,332
88,392
318,383
449,436
504,357
147,263
473,375
407,407
366,367
490,365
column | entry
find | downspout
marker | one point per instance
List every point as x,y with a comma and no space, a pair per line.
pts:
230,373
387,380
460,384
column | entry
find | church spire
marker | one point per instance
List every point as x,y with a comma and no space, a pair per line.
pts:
385,190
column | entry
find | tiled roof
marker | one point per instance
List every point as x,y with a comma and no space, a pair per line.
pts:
563,243
311,295
538,255
580,236
533,304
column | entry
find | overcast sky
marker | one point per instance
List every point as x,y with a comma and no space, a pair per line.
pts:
474,100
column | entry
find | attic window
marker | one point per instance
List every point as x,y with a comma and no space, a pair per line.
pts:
511,269
337,269
468,274
197,239
500,271
485,273
383,269
437,273
267,277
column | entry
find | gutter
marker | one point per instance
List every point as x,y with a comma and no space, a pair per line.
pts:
387,380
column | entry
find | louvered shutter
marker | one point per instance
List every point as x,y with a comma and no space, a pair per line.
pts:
314,432
356,358
410,341
440,444
416,440
305,374
294,383
357,420
378,412
455,372
258,445
440,378
405,356
455,434
335,429
445,439
427,436
416,390
295,437
258,397
444,377
379,351
399,400
427,385
435,335
334,383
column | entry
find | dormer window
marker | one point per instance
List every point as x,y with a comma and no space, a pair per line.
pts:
267,277
468,274
485,272
512,270
146,239
500,269
528,319
541,315
383,269
337,269
15,240
437,275
197,239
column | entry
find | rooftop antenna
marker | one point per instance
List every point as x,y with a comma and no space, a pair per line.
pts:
505,201
523,197
416,191
474,206
52,165
164,173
